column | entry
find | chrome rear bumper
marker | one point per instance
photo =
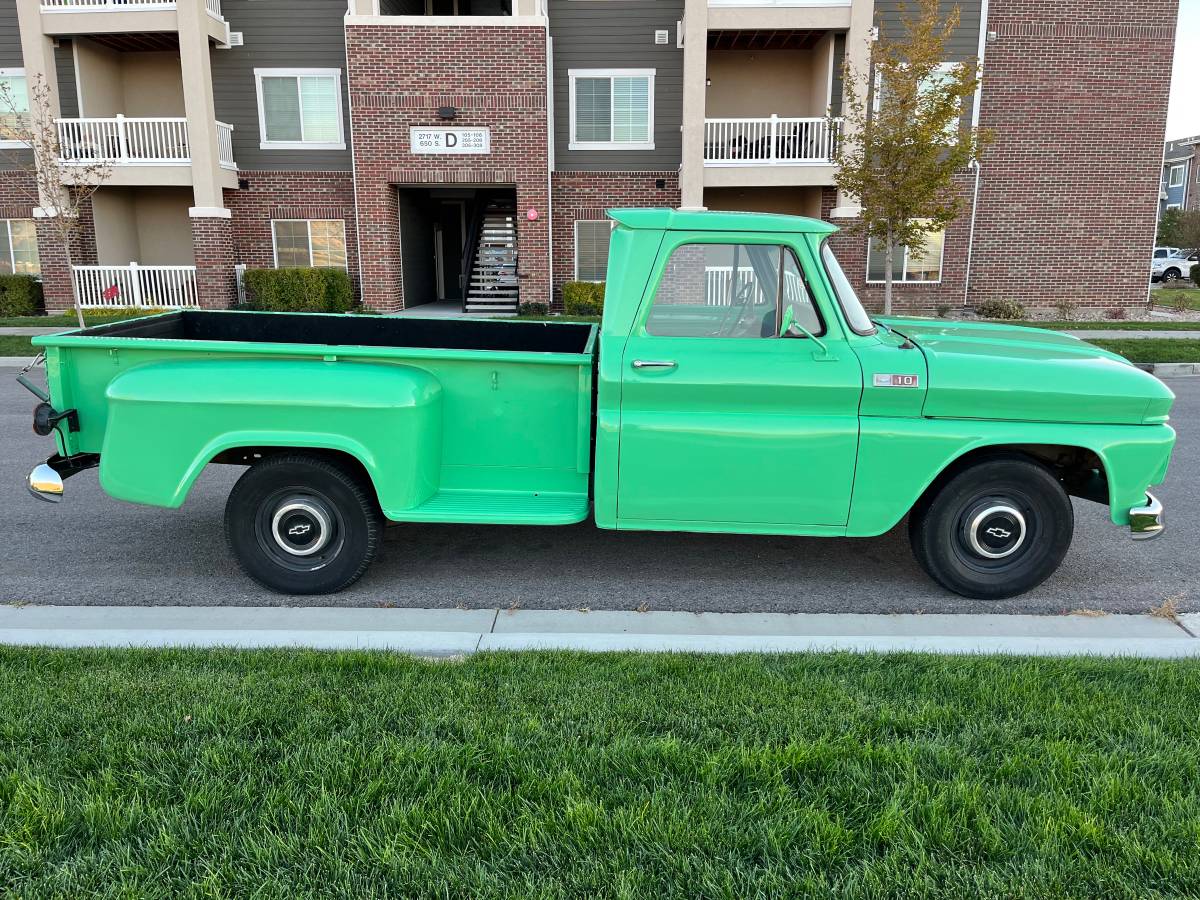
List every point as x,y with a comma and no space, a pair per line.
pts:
1147,522
46,484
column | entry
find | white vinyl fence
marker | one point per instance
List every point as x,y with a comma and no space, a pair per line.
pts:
135,285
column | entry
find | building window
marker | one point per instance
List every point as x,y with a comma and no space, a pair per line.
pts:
300,109
1174,205
309,242
1178,175
941,73
612,109
14,107
591,249
925,266
18,248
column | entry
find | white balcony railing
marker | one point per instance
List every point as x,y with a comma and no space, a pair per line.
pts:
720,287
773,141
124,141
105,5
777,3
225,146
136,286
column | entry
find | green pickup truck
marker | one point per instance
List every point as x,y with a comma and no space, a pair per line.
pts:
735,384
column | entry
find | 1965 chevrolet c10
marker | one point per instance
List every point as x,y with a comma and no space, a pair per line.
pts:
735,384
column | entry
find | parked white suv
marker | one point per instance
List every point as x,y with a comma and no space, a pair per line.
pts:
1177,265
1164,252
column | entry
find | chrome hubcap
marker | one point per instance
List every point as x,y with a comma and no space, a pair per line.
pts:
300,527
995,530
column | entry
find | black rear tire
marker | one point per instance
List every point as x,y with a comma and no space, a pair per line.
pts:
995,529
303,524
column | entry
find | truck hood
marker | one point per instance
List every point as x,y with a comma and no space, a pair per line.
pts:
986,371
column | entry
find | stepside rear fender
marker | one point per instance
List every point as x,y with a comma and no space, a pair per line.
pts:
899,458
168,419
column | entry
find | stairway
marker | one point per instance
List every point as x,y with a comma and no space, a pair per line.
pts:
492,285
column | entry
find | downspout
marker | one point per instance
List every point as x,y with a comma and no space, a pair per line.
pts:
549,159
353,162
983,20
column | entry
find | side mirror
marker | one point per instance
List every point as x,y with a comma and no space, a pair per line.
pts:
789,323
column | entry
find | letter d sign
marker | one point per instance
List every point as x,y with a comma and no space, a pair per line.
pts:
451,139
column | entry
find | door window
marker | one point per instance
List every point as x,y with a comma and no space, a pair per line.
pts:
730,290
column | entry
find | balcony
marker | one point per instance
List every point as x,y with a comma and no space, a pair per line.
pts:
60,6
819,14
125,17
146,287
771,141
128,143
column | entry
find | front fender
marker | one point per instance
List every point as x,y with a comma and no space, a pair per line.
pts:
167,420
899,458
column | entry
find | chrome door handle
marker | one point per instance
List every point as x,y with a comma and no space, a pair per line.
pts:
654,364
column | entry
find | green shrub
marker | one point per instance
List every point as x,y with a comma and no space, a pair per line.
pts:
583,298
943,310
1196,275
1116,313
20,295
298,290
1000,309
534,308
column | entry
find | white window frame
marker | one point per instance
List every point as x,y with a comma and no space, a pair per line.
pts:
574,74
904,268
265,144
611,225
877,96
6,224
1182,170
14,145
1174,206
308,227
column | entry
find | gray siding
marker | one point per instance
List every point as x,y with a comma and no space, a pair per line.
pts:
839,64
964,44
68,87
278,34
10,36
618,34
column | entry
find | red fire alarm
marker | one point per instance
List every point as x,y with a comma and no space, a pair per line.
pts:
531,214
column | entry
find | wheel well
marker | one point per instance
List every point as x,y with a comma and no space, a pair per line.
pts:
248,456
1080,470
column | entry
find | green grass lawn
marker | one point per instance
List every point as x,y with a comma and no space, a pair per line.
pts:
15,345
294,774
1153,350
1171,296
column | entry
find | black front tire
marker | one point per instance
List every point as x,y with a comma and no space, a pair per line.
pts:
303,524
994,529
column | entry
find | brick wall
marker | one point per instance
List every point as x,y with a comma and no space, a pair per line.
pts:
212,244
56,274
493,76
586,195
1076,95
289,195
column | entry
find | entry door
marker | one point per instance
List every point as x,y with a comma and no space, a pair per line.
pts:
724,424
450,236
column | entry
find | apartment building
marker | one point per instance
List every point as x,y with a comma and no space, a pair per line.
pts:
1180,175
466,150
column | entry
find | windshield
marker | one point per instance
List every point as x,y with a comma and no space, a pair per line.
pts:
856,316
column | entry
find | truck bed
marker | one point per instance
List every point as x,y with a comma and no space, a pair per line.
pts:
360,331
456,420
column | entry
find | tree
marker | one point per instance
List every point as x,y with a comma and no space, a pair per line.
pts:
906,141
1179,228
62,190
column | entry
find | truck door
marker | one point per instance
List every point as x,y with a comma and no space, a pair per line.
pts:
726,425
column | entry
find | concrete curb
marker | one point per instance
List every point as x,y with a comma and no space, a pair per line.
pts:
1170,370
451,632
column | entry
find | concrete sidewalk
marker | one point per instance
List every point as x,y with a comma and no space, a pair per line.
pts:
447,632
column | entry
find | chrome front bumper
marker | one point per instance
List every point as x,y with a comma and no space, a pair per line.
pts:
1147,522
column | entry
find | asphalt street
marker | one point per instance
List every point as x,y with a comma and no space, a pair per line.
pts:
91,549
